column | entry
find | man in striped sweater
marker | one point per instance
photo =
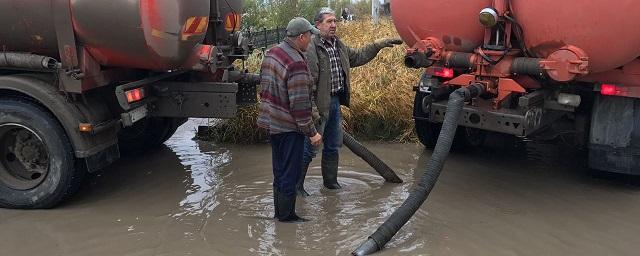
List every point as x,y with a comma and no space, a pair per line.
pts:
285,111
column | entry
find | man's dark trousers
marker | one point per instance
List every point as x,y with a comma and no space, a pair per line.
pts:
287,149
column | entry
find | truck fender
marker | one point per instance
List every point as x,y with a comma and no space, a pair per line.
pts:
40,88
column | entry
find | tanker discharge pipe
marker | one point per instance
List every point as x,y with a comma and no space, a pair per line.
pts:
418,59
527,66
450,59
390,227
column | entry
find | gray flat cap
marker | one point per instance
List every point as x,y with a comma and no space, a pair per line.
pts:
299,25
322,11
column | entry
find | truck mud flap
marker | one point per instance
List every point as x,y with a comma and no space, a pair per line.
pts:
103,159
620,160
203,99
614,140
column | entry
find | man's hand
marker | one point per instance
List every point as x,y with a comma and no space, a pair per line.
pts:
387,42
316,140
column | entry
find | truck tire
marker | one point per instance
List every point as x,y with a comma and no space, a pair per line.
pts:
147,134
426,130
468,138
37,165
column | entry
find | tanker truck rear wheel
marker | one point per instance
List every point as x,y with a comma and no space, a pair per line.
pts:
467,137
147,134
37,164
427,132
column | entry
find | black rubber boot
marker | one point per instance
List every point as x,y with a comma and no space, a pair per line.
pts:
286,209
300,184
330,171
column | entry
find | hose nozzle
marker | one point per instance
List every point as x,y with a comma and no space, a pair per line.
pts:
418,59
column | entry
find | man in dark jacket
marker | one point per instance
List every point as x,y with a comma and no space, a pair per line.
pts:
285,111
329,61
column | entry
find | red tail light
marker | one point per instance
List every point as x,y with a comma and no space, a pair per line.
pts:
632,91
135,95
444,72
440,72
608,89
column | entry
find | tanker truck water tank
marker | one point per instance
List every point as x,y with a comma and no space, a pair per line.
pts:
146,34
607,31
455,22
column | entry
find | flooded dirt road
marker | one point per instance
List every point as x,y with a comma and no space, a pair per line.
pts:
197,198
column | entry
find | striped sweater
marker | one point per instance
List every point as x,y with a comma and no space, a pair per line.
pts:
285,95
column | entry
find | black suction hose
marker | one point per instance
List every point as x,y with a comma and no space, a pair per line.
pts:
390,227
27,61
383,169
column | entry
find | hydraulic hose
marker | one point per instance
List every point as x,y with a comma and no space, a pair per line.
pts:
391,226
383,169
27,61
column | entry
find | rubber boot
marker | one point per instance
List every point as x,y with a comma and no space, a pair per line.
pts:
330,171
300,184
286,209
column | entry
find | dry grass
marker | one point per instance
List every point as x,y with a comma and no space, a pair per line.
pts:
382,98
240,130
381,101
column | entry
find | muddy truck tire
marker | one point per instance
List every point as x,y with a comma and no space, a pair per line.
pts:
147,134
426,130
37,164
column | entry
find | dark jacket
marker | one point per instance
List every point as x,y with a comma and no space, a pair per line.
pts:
319,66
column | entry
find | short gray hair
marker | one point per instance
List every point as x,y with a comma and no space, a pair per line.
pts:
322,12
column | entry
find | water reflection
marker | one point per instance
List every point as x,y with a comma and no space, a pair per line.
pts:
203,167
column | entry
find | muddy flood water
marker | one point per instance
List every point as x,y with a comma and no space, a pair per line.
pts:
199,198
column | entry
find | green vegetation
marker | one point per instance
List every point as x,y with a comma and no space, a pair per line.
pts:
268,14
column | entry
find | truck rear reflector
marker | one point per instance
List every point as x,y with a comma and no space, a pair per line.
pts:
195,26
135,95
232,22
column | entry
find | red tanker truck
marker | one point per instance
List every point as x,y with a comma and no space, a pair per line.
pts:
548,68
82,80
